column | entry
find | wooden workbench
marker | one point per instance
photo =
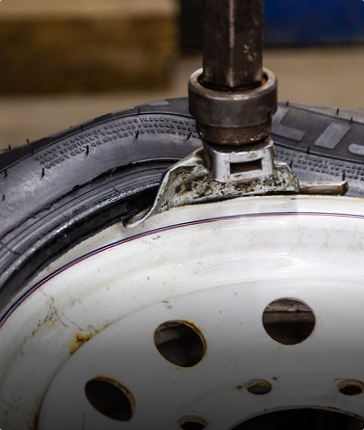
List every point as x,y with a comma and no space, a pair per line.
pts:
85,45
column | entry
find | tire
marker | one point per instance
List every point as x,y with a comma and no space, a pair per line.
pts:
59,190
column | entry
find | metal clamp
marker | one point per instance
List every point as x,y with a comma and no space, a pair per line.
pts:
189,182
231,164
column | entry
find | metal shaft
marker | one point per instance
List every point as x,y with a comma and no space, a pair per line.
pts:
232,44
233,98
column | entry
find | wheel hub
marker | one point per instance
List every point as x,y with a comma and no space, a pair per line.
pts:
208,316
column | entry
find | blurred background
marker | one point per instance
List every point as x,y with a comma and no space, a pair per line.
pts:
64,62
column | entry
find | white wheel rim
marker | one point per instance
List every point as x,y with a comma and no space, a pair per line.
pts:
217,266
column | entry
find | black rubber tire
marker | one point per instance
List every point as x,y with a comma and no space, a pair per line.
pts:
59,190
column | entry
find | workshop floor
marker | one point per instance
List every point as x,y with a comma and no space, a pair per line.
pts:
325,76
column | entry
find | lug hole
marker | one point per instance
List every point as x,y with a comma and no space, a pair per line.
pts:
288,321
110,398
302,419
350,387
192,423
259,387
180,343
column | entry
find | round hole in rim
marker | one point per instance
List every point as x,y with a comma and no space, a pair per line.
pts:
288,321
259,387
192,423
303,419
351,387
110,398
180,342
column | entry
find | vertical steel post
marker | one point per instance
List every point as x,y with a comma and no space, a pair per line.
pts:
232,43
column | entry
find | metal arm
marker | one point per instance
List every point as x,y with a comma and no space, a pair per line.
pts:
233,98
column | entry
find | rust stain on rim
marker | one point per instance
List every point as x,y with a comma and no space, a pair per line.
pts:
80,339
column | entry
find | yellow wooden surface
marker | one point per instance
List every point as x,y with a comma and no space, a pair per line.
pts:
31,9
86,46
